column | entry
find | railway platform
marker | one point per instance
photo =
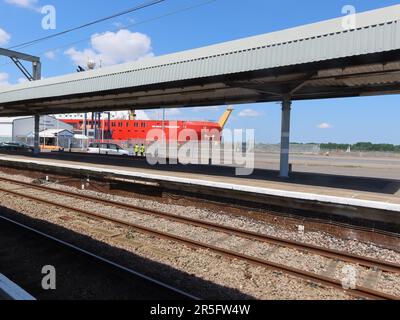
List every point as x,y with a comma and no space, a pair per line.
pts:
370,201
11,291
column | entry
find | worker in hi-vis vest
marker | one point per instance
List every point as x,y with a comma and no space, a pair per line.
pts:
142,150
137,150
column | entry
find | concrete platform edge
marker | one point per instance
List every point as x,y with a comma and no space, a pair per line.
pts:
379,213
265,191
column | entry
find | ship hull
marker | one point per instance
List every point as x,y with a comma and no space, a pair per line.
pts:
151,130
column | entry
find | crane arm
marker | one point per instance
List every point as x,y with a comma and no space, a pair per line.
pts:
225,117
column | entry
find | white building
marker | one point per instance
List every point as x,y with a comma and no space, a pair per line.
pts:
6,129
22,128
54,138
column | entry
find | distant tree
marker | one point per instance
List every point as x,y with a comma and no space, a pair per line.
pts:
334,146
362,146
359,146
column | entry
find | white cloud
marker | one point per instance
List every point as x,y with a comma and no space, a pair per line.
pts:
208,109
170,113
249,113
26,4
4,79
22,80
118,24
4,37
324,125
112,48
173,112
50,55
81,57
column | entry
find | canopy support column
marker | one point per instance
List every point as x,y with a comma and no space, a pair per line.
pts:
37,75
36,149
285,137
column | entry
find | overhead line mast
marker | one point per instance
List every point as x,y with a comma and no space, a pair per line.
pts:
16,57
36,74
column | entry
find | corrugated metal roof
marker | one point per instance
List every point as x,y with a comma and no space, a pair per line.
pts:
52,133
377,31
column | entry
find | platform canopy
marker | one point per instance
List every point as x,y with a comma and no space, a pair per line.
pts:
321,60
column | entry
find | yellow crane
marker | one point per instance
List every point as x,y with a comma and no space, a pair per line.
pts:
225,117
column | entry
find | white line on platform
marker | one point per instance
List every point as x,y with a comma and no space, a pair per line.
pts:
221,185
13,291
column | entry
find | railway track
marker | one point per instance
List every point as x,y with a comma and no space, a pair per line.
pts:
79,273
359,291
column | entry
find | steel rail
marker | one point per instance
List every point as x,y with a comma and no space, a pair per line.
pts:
306,275
100,258
329,253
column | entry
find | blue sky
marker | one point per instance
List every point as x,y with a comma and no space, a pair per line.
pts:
374,119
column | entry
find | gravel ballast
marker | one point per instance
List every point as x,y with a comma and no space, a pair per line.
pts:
249,281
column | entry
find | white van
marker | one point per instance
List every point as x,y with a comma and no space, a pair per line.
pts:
107,148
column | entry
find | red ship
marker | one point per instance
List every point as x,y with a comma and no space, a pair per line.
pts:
111,128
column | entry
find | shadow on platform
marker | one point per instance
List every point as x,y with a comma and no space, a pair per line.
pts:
184,281
377,185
